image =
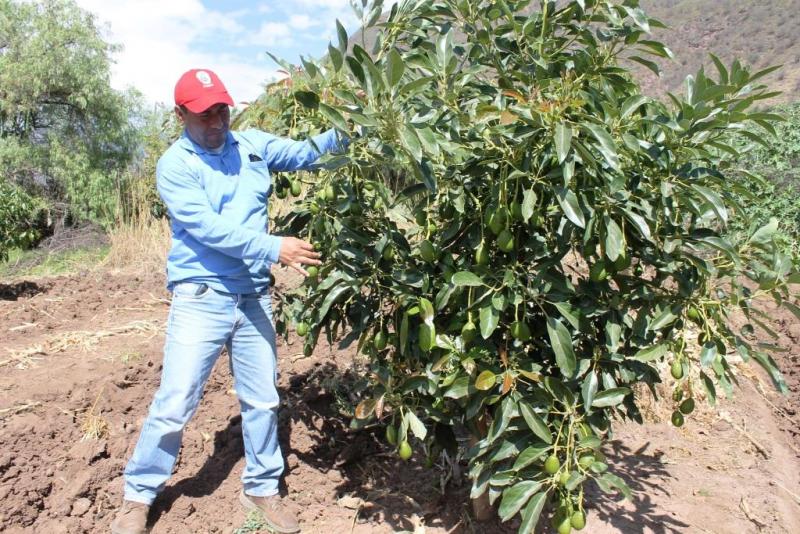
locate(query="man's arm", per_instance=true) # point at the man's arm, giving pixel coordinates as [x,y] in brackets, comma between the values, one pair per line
[283,154]
[188,205]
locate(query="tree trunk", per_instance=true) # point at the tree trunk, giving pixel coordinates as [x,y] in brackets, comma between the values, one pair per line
[481,509]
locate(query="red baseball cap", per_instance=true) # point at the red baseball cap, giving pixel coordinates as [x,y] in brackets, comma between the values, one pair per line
[199,89]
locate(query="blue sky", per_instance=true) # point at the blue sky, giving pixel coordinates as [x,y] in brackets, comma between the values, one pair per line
[161,39]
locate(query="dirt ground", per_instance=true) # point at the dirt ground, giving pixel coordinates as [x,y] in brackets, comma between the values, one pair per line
[82,354]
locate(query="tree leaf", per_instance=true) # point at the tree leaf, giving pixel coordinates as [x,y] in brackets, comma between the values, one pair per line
[631,104]
[430,144]
[415,425]
[714,200]
[606,146]
[466,278]
[570,206]
[613,334]
[365,408]
[610,397]
[708,353]
[648,354]
[532,512]
[568,313]
[336,58]
[764,235]
[609,482]
[515,497]
[589,389]
[615,240]
[342,33]
[489,320]
[640,223]
[333,295]
[534,422]
[460,388]
[710,389]
[411,141]
[395,67]
[403,333]
[308,99]
[528,204]
[485,381]
[529,455]
[639,17]
[561,341]
[652,65]
[664,318]
[334,117]
[563,140]
[426,310]
[792,308]
[769,365]
[427,336]
[444,50]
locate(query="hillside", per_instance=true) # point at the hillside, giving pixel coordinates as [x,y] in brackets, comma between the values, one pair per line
[759,34]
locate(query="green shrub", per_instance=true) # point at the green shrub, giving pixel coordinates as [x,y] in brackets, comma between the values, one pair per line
[774,194]
[20,216]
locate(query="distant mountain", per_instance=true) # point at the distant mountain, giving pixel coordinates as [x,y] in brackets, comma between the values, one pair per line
[760,33]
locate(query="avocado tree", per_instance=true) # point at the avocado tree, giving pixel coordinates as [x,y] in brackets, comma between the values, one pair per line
[516,235]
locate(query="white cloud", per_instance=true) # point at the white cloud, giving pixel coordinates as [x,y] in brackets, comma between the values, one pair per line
[329,4]
[302,22]
[162,39]
[270,34]
[159,42]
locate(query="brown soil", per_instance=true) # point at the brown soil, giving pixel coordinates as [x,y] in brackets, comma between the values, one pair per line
[82,352]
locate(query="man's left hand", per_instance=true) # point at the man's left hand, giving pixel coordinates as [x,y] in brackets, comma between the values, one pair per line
[295,253]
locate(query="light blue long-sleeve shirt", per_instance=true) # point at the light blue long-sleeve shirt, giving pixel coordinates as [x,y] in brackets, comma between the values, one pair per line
[217,205]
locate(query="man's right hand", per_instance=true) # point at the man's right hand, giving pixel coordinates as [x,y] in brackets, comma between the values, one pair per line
[295,253]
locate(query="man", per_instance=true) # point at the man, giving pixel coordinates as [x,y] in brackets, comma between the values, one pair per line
[215,184]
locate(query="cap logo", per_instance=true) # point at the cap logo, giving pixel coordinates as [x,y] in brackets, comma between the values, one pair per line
[204,78]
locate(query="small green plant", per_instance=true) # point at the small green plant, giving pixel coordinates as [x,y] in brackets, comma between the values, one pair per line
[45,263]
[253,524]
[132,356]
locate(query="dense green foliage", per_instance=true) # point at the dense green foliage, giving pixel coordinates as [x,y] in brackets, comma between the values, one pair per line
[777,163]
[517,235]
[65,135]
[19,219]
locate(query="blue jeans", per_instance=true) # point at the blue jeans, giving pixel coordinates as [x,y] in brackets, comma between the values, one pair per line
[202,321]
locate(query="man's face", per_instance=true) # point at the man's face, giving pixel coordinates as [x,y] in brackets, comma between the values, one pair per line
[209,128]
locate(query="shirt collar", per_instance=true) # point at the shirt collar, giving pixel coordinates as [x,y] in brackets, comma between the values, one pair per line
[189,144]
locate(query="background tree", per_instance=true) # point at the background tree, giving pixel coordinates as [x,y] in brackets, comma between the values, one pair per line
[65,134]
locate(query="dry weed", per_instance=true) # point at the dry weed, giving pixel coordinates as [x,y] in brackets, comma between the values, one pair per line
[6,412]
[141,244]
[82,340]
[94,426]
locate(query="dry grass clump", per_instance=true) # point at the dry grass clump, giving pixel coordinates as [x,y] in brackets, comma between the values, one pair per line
[93,425]
[141,244]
